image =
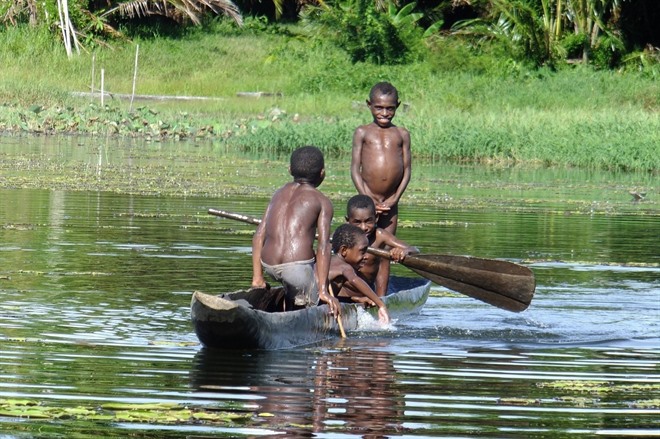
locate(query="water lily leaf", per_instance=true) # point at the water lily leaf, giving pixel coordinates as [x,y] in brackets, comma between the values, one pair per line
[23,413]
[220,417]
[127,406]
[17,402]
[78,411]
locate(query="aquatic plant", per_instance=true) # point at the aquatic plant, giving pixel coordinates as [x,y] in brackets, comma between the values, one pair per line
[156,413]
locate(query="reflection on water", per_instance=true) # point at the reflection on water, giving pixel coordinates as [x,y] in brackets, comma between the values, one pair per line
[375,393]
[330,389]
[95,289]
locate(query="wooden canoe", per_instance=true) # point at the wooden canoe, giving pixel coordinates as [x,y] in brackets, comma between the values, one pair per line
[251,320]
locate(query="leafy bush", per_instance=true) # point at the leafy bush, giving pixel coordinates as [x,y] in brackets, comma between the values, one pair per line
[457,53]
[367,34]
[646,61]
[607,53]
[574,44]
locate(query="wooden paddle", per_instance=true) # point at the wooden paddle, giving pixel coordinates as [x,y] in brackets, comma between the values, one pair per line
[339,322]
[499,283]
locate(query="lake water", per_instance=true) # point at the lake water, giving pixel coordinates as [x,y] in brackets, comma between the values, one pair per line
[103,242]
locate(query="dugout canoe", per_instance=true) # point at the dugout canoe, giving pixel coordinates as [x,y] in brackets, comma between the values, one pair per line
[249,319]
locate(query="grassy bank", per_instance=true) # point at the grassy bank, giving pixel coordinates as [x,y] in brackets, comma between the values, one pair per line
[460,104]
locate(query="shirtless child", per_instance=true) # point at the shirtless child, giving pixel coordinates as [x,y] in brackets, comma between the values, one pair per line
[284,241]
[381,163]
[349,245]
[361,212]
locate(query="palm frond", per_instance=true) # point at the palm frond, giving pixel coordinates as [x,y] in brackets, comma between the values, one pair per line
[225,7]
[178,10]
[135,8]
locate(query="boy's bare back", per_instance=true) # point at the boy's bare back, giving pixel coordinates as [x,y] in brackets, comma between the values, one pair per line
[294,216]
[283,244]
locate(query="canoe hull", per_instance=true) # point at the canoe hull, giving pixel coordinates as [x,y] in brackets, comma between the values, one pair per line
[237,321]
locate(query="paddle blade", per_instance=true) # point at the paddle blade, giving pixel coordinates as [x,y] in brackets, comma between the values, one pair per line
[503,284]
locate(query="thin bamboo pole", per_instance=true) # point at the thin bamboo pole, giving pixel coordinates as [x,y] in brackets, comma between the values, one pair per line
[68,31]
[137,51]
[64,28]
[102,88]
[91,96]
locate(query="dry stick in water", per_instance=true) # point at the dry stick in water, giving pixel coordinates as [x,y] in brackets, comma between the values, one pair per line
[91,96]
[102,87]
[137,51]
[339,322]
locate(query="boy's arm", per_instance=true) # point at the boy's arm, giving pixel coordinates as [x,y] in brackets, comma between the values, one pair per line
[356,160]
[407,168]
[358,284]
[323,253]
[398,248]
[257,245]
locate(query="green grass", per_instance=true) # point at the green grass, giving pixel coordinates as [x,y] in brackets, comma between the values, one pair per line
[460,103]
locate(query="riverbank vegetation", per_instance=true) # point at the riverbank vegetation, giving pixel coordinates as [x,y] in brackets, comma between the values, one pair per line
[467,94]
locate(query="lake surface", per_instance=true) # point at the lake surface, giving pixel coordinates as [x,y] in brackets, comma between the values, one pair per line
[103,242]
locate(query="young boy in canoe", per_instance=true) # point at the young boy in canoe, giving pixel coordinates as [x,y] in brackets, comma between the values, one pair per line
[349,245]
[381,162]
[361,212]
[283,245]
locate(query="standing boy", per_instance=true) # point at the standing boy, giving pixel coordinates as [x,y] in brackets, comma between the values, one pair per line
[349,245]
[361,212]
[284,241]
[381,163]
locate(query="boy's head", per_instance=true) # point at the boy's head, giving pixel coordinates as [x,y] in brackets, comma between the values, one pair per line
[361,212]
[383,102]
[307,164]
[384,88]
[350,243]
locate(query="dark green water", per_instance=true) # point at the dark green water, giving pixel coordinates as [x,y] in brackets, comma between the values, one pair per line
[102,244]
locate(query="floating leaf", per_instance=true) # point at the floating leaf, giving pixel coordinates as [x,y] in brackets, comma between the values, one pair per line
[152,406]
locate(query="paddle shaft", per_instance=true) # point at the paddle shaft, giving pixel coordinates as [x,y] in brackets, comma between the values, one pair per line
[339,322]
[500,283]
[256,221]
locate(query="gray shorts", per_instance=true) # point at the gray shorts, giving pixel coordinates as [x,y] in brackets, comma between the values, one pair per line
[298,280]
